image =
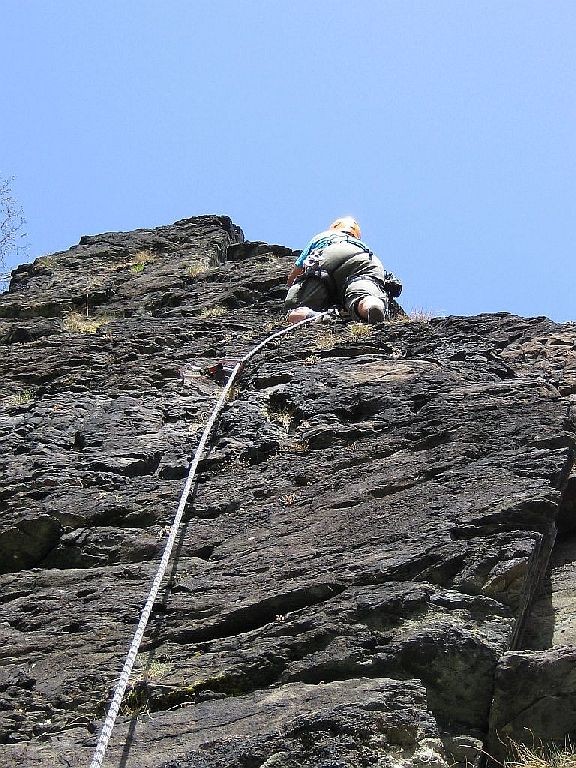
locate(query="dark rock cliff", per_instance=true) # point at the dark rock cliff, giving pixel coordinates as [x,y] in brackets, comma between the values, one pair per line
[367,573]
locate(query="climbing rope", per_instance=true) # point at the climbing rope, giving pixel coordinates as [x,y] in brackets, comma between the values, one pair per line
[122,683]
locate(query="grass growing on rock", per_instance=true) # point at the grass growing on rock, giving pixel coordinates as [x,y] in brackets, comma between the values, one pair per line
[154,670]
[417,315]
[140,260]
[325,338]
[541,756]
[136,700]
[421,315]
[75,322]
[19,398]
[359,330]
[217,311]
[198,267]
[284,418]
[328,337]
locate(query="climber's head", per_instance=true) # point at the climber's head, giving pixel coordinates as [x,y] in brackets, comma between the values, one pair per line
[347,224]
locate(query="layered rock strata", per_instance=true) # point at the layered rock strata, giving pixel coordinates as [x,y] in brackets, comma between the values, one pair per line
[363,547]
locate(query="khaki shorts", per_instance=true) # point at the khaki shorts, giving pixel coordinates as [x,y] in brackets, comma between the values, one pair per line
[310,292]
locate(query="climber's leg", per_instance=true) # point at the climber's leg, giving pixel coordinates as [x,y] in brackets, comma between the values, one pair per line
[366,300]
[306,296]
[372,310]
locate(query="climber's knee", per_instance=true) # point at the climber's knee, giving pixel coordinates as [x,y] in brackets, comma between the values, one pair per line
[372,309]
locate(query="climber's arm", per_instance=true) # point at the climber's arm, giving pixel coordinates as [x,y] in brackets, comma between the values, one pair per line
[296,272]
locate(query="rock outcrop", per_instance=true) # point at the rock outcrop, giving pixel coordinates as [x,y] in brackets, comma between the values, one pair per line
[361,578]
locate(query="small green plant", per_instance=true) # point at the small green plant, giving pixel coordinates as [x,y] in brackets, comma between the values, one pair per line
[144,257]
[78,323]
[19,398]
[136,700]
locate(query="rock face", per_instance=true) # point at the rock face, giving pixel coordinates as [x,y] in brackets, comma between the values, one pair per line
[353,582]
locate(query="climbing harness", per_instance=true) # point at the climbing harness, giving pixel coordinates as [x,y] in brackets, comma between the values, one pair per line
[122,683]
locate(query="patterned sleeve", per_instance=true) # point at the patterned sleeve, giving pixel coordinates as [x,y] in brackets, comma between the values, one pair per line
[300,260]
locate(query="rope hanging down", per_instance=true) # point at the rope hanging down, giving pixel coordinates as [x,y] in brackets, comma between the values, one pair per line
[122,683]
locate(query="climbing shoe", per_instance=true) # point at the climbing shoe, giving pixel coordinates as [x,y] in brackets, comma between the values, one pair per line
[327,316]
[376,313]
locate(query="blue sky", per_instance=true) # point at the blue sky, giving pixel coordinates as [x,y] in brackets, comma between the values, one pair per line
[447,127]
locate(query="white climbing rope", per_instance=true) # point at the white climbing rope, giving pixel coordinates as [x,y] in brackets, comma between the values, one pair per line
[122,683]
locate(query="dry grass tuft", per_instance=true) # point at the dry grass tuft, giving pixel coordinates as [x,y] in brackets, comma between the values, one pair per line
[328,336]
[360,330]
[216,311]
[297,446]
[198,267]
[140,259]
[283,418]
[144,257]
[46,261]
[420,315]
[78,323]
[417,315]
[541,756]
[325,338]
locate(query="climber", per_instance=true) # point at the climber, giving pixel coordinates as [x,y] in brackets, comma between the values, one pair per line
[337,270]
